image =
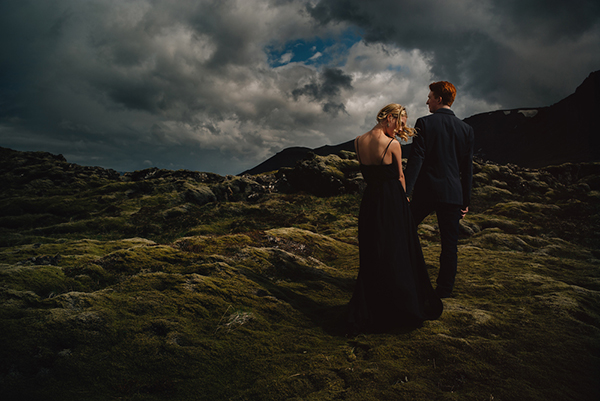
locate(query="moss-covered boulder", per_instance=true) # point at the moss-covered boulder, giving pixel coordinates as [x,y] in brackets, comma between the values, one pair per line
[325,175]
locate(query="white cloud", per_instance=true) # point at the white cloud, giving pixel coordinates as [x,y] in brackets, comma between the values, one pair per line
[286,58]
[315,56]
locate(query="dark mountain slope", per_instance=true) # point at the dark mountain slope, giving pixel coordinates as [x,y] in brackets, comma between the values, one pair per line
[561,133]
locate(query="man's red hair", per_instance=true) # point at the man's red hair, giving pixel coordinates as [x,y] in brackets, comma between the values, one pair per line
[445,90]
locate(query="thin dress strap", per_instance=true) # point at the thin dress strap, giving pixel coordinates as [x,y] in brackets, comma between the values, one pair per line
[386,149]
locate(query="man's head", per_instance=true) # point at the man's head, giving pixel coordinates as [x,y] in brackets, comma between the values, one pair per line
[441,94]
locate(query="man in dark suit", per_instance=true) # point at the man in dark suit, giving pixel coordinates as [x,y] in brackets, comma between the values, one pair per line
[439,173]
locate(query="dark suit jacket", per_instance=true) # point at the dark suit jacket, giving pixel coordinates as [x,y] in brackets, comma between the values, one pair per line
[440,165]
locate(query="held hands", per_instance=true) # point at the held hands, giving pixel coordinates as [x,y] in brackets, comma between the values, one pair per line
[463,212]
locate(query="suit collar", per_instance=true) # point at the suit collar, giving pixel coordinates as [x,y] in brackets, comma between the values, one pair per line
[444,111]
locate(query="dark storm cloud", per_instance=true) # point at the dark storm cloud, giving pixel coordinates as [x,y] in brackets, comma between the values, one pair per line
[513,52]
[124,55]
[122,68]
[326,90]
[548,20]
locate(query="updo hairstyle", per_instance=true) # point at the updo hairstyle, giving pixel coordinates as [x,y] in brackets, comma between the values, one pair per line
[396,110]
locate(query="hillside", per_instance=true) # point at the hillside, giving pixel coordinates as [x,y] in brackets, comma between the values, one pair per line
[184,285]
[289,156]
[538,137]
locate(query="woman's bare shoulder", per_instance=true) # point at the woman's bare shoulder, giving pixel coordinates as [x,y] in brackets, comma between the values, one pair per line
[395,146]
[365,135]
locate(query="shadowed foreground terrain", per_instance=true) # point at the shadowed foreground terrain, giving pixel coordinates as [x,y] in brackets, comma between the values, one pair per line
[192,286]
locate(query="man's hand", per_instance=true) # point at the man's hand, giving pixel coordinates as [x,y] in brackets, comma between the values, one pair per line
[464,212]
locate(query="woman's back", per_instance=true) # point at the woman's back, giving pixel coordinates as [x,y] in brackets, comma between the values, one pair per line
[371,148]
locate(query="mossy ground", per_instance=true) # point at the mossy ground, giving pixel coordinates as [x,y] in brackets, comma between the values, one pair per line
[148,296]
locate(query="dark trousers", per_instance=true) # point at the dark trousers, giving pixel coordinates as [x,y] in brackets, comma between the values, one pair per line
[448,216]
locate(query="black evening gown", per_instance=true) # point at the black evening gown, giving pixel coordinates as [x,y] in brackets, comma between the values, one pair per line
[392,288]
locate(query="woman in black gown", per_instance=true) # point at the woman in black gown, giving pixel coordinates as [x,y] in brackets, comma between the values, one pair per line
[392,287]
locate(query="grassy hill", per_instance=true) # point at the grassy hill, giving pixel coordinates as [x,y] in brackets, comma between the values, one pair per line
[192,286]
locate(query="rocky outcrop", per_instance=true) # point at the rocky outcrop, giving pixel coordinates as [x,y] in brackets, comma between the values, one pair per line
[45,193]
[325,175]
[43,173]
[290,156]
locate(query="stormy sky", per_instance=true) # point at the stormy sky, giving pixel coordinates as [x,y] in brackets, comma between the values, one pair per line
[222,85]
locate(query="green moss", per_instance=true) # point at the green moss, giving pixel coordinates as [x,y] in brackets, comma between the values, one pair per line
[213,245]
[156,296]
[254,325]
[493,193]
[334,253]
[45,281]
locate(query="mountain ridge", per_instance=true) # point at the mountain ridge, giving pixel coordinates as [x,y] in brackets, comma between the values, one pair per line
[551,135]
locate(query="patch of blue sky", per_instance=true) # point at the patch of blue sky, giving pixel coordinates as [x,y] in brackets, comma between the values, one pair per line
[396,68]
[314,51]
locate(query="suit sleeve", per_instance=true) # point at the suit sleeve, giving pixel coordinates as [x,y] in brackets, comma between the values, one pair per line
[415,160]
[466,168]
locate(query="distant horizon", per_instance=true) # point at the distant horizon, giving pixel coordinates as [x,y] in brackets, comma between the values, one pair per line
[123,172]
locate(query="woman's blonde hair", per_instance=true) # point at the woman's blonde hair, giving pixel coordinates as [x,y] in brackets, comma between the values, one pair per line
[396,110]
